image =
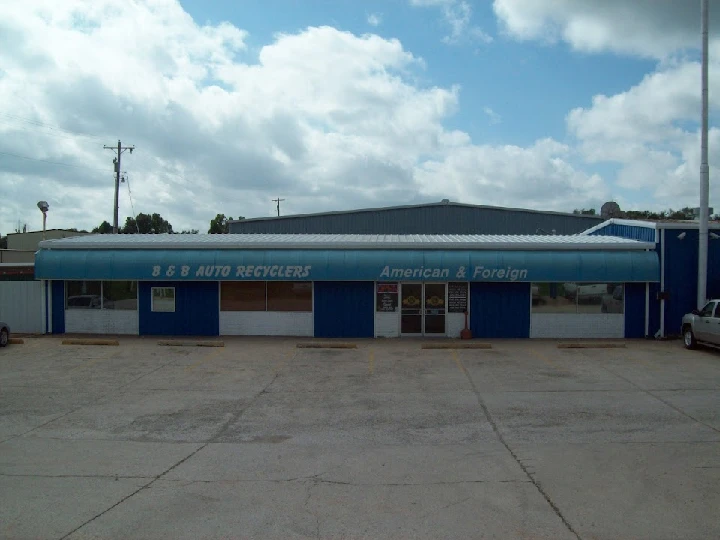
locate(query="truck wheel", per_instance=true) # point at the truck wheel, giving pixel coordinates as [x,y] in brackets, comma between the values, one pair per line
[689,338]
[4,338]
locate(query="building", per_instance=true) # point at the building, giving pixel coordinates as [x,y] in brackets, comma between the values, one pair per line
[676,243]
[435,218]
[350,286]
[28,241]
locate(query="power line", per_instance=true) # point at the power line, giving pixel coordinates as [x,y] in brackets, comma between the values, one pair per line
[132,206]
[38,123]
[52,162]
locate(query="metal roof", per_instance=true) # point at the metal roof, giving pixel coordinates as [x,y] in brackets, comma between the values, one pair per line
[651,224]
[344,241]
[424,205]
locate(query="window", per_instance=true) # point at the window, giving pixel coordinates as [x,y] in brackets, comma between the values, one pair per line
[386,297]
[242,296]
[163,299]
[266,296]
[578,298]
[708,310]
[289,296]
[83,294]
[101,295]
[119,295]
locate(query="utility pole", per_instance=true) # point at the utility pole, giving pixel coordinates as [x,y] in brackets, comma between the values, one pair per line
[116,161]
[704,166]
[278,200]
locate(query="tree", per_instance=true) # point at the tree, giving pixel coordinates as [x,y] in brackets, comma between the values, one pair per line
[104,228]
[189,231]
[221,224]
[585,211]
[685,213]
[147,224]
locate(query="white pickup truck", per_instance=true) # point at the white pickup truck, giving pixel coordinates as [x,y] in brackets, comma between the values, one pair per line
[702,326]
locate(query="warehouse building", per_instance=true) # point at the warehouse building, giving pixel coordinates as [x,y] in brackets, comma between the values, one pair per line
[444,217]
[351,286]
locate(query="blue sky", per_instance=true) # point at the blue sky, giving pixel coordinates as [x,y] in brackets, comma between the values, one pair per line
[561,105]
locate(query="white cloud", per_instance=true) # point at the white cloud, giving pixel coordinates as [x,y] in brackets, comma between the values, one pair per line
[493,117]
[652,28]
[325,119]
[651,131]
[458,15]
[374,19]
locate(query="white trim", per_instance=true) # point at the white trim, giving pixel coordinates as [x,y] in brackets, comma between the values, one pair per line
[647,309]
[47,306]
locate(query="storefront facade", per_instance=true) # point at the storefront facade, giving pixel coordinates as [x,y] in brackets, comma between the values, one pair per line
[348,286]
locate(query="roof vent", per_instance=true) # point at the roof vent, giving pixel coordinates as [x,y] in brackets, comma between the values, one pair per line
[445,201]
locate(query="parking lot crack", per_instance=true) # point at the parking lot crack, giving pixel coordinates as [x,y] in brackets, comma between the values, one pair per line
[237,415]
[501,438]
[105,476]
[141,488]
[661,400]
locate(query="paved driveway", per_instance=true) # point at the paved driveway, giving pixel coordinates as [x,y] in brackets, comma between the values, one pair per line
[260,439]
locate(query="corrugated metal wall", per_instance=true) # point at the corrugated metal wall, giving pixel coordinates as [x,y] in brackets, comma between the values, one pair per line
[642,234]
[21,306]
[344,309]
[681,263]
[500,310]
[430,219]
[635,310]
[197,310]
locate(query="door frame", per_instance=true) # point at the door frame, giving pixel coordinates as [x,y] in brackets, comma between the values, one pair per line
[423,309]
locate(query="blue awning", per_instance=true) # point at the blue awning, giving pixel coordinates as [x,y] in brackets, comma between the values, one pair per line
[347,265]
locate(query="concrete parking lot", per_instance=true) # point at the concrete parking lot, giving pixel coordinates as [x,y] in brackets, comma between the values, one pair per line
[260,439]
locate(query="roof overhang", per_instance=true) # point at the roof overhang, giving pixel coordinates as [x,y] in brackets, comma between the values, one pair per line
[348,265]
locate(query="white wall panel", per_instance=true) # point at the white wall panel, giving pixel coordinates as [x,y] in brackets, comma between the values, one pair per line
[22,306]
[577,325]
[101,321]
[265,323]
[387,324]
[455,323]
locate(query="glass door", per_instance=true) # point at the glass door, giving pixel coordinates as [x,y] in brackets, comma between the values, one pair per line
[422,308]
[435,308]
[411,312]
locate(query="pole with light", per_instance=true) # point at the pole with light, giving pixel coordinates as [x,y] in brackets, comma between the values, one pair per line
[44,207]
[704,167]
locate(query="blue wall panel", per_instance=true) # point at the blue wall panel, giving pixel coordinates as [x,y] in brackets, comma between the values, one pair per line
[643,234]
[635,310]
[654,318]
[197,310]
[58,307]
[500,310]
[344,309]
[681,264]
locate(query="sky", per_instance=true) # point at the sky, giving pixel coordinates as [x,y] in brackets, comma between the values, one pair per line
[339,104]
